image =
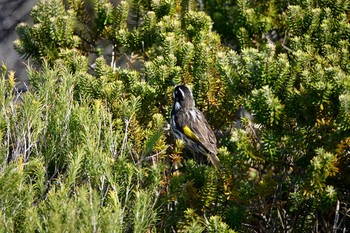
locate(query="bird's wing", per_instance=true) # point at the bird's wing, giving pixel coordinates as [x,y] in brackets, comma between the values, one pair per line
[195,126]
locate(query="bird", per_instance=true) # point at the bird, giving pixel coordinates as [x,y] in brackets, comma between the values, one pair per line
[190,125]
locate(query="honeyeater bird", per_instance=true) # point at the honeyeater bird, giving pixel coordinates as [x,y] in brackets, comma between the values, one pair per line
[189,124]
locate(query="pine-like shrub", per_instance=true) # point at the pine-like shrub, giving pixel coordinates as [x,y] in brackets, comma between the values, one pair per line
[87,147]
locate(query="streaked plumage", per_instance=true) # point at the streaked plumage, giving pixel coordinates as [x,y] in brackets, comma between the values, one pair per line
[189,124]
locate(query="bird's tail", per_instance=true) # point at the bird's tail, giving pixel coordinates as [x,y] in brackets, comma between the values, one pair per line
[214,160]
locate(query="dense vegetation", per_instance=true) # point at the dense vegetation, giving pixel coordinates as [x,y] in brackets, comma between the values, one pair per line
[88,149]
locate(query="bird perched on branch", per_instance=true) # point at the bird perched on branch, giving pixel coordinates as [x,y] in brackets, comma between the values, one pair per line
[189,124]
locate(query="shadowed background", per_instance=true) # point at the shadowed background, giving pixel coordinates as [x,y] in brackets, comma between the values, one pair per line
[13,12]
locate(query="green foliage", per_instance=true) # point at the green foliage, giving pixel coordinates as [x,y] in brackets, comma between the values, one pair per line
[195,223]
[72,162]
[244,23]
[53,28]
[87,147]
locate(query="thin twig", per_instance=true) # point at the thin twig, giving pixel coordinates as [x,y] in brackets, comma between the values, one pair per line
[125,139]
[284,41]
[336,217]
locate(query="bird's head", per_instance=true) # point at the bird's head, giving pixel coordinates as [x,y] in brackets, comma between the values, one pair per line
[183,97]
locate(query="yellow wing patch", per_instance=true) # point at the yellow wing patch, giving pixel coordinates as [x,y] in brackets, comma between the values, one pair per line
[189,133]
